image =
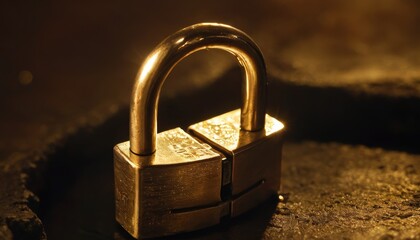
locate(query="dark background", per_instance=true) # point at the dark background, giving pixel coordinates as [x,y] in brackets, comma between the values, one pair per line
[339,71]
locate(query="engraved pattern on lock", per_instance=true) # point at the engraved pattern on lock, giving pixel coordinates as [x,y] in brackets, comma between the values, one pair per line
[253,157]
[171,182]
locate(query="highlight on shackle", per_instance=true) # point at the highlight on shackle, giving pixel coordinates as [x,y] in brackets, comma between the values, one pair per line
[160,62]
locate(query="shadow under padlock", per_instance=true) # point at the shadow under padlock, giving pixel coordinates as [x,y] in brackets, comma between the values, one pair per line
[250,225]
[171,182]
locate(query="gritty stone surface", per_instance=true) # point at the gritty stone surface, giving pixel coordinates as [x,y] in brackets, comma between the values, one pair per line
[347,192]
[330,190]
[335,191]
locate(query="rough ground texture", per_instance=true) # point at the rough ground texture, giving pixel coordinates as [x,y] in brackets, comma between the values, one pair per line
[342,71]
[336,191]
[340,191]
[331,190]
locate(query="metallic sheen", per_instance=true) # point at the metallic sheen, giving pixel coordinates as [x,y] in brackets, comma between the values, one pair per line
[224,131]
[254,157]
[177,189]
[160,62]
[175,182]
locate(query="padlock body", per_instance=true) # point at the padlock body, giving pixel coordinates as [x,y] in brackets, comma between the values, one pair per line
[255,157]
[174,190]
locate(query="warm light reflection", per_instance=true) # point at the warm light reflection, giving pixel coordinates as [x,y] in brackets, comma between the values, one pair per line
[179,40]
[165,56]
[225,130]
[148,65]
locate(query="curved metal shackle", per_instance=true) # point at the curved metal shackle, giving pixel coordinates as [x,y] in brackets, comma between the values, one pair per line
[160,62]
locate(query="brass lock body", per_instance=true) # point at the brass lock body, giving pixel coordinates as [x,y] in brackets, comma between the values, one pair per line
[175,181]
[155,193]
[254,157]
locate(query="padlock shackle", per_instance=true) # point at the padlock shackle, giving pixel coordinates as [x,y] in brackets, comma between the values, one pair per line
[160,62]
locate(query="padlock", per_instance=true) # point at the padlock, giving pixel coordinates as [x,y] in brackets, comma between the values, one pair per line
[173,182]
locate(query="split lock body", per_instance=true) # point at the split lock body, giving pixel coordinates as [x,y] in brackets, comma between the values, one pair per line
[175,181]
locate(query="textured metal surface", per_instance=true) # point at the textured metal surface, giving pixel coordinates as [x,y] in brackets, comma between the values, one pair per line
[225,131]
[255,156]
[160,62]
[175,190]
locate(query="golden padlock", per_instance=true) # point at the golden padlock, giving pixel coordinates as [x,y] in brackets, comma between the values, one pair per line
[171,182]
